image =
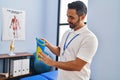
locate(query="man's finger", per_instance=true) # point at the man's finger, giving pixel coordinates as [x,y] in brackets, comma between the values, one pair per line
[39,56]
[42,54]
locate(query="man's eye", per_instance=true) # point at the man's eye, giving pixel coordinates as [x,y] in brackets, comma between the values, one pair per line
[71,17]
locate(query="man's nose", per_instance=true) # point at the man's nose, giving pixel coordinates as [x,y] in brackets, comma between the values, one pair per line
[68,20]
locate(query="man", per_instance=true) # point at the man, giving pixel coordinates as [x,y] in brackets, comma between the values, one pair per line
[77,48]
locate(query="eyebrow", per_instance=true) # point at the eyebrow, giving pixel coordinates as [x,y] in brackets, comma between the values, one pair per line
[70,16]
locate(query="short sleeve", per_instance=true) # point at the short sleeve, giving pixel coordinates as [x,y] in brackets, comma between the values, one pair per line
[88,49]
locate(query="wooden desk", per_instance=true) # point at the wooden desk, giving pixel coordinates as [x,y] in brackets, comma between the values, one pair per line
[7,56]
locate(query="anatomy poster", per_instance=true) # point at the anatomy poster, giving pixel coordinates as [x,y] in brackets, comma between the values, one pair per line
[13,24]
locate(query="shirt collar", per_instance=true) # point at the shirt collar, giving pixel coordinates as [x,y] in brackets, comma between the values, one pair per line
[81,30]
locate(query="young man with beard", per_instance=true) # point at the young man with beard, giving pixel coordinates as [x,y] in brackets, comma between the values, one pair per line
[77,48]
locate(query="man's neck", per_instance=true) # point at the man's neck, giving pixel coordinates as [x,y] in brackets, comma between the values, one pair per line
[79,26]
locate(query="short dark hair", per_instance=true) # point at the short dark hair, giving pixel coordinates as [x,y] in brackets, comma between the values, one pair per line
[79,6]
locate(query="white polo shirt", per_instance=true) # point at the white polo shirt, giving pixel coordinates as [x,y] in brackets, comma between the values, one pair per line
[83,46]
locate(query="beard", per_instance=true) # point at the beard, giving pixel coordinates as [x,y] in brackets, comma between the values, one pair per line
[73,25]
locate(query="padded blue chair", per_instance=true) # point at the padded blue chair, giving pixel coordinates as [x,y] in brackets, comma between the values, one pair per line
[36,77]
[52,75]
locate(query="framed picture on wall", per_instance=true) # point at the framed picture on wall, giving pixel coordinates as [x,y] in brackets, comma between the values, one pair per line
[13,24]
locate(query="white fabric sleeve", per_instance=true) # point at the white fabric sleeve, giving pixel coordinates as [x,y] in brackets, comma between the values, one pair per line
[88,49]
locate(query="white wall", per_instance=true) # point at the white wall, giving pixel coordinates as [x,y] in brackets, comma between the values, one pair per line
[104,20]
[41,16]
[41,21]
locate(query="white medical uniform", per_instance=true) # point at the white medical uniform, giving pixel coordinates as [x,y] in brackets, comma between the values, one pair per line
[83,46]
